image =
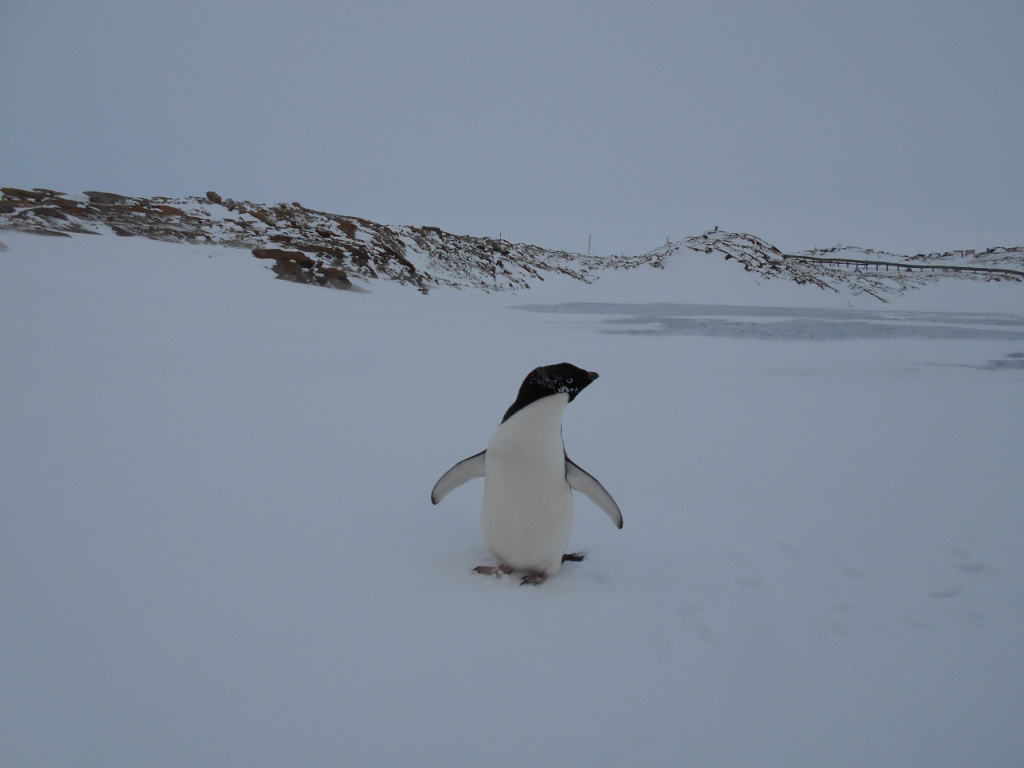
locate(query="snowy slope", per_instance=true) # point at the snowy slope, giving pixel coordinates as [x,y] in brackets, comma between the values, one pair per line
[217,546]
[318,248]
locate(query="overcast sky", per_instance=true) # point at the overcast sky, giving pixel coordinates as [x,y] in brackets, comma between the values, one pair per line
[896,125]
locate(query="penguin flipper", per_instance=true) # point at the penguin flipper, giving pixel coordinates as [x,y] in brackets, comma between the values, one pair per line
[463,472]
[581,480]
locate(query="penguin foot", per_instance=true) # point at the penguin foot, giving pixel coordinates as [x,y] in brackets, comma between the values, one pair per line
[493,570]
[573,557]
[536,579]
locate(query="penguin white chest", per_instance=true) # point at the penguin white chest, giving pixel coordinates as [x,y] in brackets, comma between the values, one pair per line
[527,511]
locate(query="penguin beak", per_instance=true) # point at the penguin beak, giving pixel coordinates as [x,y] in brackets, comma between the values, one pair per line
[592,375]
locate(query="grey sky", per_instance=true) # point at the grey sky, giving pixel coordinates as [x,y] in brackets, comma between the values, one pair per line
[889,125]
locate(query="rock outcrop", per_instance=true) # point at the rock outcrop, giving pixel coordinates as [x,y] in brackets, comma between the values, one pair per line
[336,251]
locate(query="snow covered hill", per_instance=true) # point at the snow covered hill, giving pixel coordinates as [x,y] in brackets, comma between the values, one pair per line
[314,247]
[303,245]
[217,546]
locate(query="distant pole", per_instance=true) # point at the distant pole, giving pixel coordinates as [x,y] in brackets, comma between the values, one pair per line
[589,235]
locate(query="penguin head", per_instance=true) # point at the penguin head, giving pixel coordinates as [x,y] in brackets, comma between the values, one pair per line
[551,380]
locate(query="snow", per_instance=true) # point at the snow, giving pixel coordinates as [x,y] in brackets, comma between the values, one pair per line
[692,277]
[217,545]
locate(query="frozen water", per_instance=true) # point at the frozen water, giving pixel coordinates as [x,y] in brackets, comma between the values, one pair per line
[782,323]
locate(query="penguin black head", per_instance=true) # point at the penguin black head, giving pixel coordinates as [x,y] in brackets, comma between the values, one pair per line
[550,380]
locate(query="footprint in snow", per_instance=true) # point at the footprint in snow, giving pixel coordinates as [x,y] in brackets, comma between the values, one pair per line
[971,567]
[854,573]
[789,551]
[831,627]
[752,583]
[969,617]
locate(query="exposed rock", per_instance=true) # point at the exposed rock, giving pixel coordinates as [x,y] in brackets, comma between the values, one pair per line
[335,278]
[169,210]
[24,194]
[338,251]
[53,213]
[298,257]
[107,198]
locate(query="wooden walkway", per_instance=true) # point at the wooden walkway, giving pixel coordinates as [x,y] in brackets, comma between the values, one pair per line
[842,261]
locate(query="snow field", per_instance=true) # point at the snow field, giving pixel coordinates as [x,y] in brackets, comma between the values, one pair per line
[217,545]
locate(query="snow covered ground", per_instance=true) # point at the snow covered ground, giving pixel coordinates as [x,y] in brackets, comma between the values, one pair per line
[217,546]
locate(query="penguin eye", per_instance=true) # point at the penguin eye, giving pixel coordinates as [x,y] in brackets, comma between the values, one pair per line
[568,381]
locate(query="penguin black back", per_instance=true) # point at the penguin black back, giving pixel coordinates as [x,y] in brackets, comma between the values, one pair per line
[550,380]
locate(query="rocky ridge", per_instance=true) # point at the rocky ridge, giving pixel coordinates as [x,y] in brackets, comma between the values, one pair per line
[318,248]
[853,269]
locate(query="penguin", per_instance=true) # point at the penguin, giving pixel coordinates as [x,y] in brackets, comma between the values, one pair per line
[527,510]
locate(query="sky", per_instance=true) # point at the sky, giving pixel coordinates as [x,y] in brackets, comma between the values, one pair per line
[894,126]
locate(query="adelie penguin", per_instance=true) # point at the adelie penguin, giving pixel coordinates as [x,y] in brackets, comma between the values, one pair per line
[527,511]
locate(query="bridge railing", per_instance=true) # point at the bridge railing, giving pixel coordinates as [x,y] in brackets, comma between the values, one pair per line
[840,261]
